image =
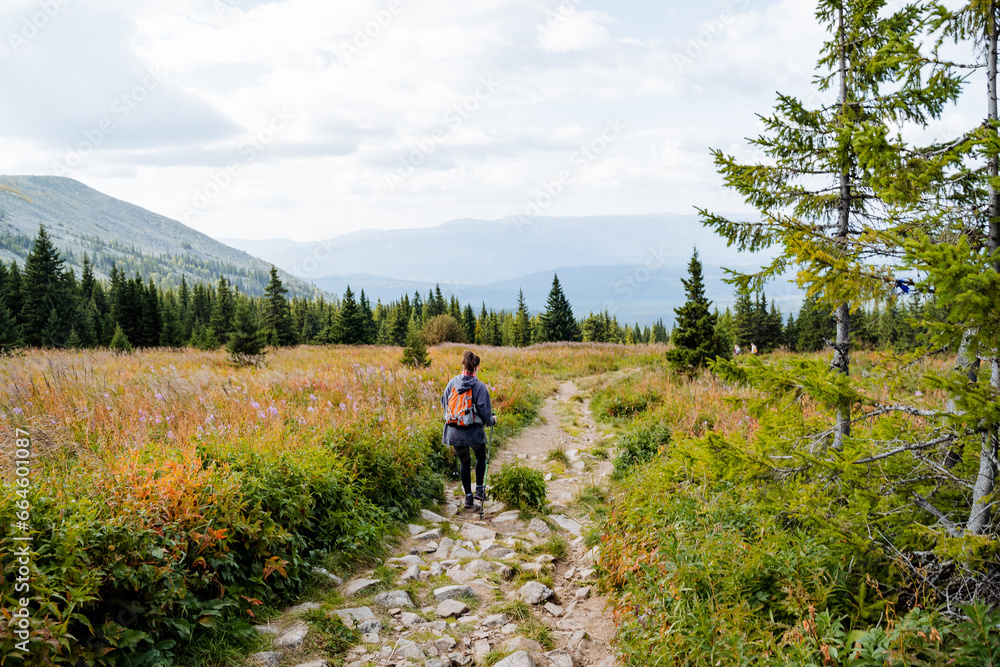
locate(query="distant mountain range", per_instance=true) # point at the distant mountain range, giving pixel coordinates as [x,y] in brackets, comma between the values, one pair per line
[629,265]
[110,231]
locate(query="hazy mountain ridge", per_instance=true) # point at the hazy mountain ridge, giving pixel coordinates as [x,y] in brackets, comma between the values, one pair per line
[110,231]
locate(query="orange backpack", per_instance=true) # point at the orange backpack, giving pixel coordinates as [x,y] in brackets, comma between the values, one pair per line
[460,410]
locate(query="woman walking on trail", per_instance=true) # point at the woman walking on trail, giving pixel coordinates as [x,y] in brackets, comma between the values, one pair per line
[466,403]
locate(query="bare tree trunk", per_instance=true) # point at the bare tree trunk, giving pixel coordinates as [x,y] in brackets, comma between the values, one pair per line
[979,517]
[842,348]
[969,364]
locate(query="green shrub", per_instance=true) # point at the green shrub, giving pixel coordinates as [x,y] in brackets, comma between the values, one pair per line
[622,400]
[520,487]
[639,446]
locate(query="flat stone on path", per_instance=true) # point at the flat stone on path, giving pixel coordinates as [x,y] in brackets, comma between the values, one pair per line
[451,608]
[412,559]
[431,517]
[460,552]
[554,609]
[534,592]
[471,531]
[568,524]
[539,527]
[519,659]
[292,637]
[414,529]
[452,592]
[312,663]
[323,572]
[513,515]
[267,658]
[412,573]
[355,615]
[409,619]
[495,620]
[305,606]
[479,651]
[428,536]
[373,626]
[461,576]
[411,651]
[559,658]
[358,585]
[394,599]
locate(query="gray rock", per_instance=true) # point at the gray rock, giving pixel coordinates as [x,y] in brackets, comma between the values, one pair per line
[554,609]
[582,593]
[539,527]
[461,576]
[519,659]
[452,592]
[512,515]
[576,641]
[496,551]
[355,615]
[409,619]
[444,549]
[476,533]
[479,651]
[436,569]
[545,558]
[588,575]
[407,560]
[607,662]
[371,626]
[434,662]
[451,608]
[568,524]
[412,573]
[559,658]
[292,637]
[305,606]
[480,566]
[445,644]
[430,535]
[431,517]
[394,599]
[322,572]
[411,651]
[312,663]
[522,643]
[266,630]
[459,659]
[437,626]
[357,586]
[495,620]
[460,552]
[414,529]
[267,658]
[534,592]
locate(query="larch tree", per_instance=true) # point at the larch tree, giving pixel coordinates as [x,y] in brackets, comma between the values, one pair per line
[814,191]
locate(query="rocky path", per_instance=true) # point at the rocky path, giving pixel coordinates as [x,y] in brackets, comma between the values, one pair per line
[465,591]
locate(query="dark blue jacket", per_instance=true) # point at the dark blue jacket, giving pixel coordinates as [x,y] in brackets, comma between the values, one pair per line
[469,436]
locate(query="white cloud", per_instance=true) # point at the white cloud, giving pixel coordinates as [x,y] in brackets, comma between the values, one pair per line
[575,31]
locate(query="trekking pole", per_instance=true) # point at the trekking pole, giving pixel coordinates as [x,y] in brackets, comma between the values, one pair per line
[482,503]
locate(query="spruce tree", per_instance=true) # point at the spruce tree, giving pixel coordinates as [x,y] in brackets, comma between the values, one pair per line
[415,352]
[119,342]
[223,311]
[558,323]
[43,292]
[522,323]
[277,314]
[695,339]
[350,325]
[10,333]
[246,339]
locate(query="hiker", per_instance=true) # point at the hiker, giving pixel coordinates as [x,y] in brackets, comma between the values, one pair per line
[736,350]
[753,348]
[466,403]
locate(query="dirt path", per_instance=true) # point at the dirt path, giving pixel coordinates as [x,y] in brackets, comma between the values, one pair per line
[465,591]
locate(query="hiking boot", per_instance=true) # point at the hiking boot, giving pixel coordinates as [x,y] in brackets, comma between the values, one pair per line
[480,493]
[469,502]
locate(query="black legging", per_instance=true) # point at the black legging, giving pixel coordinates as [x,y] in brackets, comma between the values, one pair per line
[466,460]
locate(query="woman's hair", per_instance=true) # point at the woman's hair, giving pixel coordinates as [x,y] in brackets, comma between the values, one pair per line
[470,361]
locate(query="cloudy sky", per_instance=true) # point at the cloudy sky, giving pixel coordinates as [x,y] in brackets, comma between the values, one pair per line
[306,119]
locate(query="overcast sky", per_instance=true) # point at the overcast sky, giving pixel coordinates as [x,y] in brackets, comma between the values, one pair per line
[306,119]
